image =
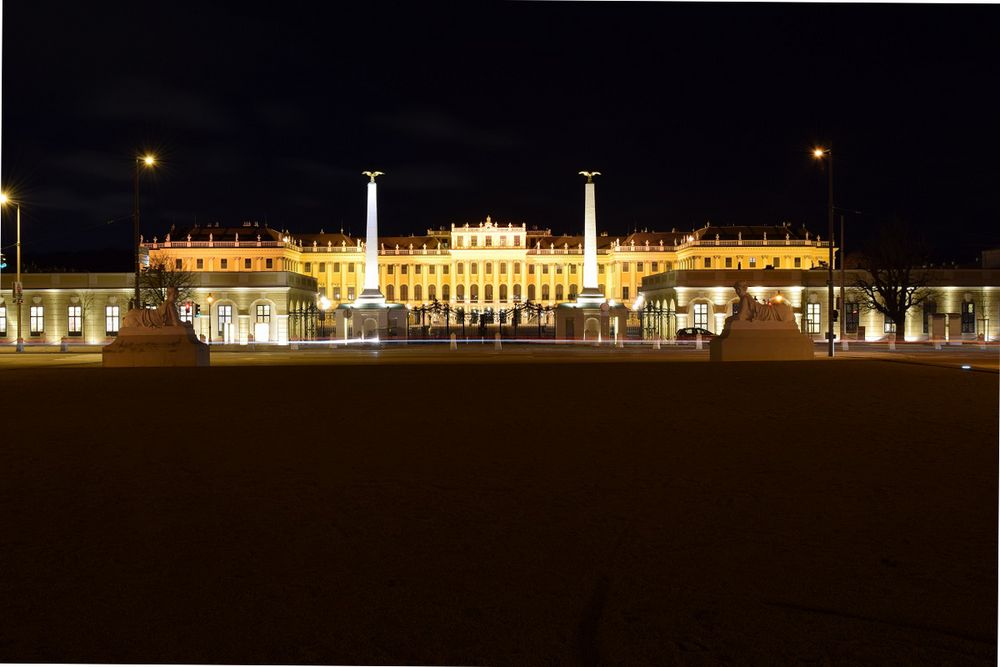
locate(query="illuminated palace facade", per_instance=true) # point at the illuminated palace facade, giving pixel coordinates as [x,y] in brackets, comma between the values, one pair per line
[257,276]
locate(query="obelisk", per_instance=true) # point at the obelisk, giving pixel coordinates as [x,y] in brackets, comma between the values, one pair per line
[591,292]
[371,294]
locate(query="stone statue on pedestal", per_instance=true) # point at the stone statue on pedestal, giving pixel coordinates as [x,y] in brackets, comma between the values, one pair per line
[164,315]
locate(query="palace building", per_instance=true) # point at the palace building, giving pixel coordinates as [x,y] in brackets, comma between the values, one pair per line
[252,282]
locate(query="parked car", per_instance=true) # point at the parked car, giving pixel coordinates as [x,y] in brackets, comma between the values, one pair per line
[691,333]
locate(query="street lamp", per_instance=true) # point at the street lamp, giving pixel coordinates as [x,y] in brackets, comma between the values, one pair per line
[210,300]
[17,291]
[827,154]
[148,161]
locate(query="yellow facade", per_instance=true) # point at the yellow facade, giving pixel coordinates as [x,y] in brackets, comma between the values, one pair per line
[489,265]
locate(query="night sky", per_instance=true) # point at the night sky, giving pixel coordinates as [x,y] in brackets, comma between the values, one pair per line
[693,112]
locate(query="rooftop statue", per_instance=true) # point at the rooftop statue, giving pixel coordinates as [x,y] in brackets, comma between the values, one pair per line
[164,315]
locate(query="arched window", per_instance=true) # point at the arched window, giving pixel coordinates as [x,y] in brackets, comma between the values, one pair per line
[531,292]
[431,292]
[460,291]
[545,292]
[446,292]
[489,291]
[390,292]
[559,292]
[474,292]
[503,292]
[517,292]
[572,291]
[402,293]
[417,293]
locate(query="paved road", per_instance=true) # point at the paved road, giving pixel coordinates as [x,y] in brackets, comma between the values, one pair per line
[438,353]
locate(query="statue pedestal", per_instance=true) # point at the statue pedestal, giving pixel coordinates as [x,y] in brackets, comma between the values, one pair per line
[761,341]
[594,321]
[371,322]
[156,346]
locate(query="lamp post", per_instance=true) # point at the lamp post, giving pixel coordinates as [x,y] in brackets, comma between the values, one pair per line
[17,290]
[147,161]
[819,154]
[210,300]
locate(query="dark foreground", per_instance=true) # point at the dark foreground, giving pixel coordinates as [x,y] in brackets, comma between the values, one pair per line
[521,514]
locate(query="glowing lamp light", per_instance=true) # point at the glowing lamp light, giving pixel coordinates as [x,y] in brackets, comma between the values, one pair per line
[818,152]
[966,367]
[149,160]
[4,198]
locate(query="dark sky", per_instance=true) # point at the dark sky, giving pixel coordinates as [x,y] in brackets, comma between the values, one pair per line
[693,112]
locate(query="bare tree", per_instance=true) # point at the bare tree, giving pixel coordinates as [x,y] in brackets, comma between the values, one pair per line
[161,274]
[894,274]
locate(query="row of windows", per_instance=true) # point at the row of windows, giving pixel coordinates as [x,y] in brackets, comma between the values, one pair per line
[487,240]
[503,292]
[199,264]
[74,320]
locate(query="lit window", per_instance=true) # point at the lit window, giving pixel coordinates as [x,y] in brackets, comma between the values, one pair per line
[111,320]
[336,294]
[461,242]
[263,313]
[888,326]
[503,240]
[753,262]
[517,292]
[185,313]
[200,264]
[350,294]
[474,292]
[559,269]
[474,241]
[309,267]
[853,317]
[813,318]
[225,316]
[74,321]
[701,315]
[968,317]
[36,321]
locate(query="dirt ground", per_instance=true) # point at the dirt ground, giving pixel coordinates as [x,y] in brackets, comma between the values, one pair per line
[567,513]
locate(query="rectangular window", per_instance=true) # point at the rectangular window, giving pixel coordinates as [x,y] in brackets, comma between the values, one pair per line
[531,269]
[707,263]
[701,315]
[813,318]
[753,262]
[336,267]
[3,321]
[111,320]
[729,262]
[625,293]
[74,321]
[322,267]
[503,240]
[473,268]
[853,315]
[638,267]
[473,241]
[177,265]
[461,242]
[431,269]
[184,312]
[968,317]
[572,268]
[224,314]
[350,294]
[405,269]
[798,262]
[336,294]
[461,269]
[656,267]
[263,313]
[624,267]
[247,263]
[503,267]
[776,262]
[888,326]
[350,267]
[200,263]
[517,268]
[224,264]
[309,267]
[36,320]
[545,268]
[489,241]
[390,269]
[269,263]
[559,269]
[417,268]
[517,240]
[444,269]
[600,269]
